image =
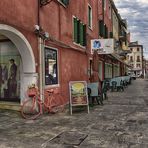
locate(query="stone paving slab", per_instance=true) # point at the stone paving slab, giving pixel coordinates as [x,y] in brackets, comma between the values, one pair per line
[121,123]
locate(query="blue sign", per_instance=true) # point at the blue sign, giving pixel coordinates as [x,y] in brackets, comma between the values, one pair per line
[96,44]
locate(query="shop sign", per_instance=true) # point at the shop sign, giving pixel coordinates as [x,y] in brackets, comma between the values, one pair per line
[103,46]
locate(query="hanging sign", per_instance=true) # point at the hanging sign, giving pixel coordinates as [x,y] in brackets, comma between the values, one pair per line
[103,46]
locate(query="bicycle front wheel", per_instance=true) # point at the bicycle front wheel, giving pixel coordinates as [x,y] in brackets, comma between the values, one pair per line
[31,108]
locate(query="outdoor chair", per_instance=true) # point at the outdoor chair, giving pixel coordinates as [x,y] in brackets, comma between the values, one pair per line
[105,88]
[121,87]
[113,86]
[94,94]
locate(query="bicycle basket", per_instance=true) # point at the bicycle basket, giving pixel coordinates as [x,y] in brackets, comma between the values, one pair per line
[31,92]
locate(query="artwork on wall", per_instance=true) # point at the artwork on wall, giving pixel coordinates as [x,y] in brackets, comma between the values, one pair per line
[9,72]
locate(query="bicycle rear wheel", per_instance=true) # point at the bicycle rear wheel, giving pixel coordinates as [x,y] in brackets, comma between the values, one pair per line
[55,104]
[31,108]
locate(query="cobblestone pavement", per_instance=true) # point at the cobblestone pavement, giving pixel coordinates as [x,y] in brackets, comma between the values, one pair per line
[121,123]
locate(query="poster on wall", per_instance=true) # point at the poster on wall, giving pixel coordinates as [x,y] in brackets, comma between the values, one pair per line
[9,72]
[78,94]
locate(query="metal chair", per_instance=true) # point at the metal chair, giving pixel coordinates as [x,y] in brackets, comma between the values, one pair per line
[114,86]
[94,94]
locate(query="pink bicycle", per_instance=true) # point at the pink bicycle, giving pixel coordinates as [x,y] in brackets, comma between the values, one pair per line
[33,107]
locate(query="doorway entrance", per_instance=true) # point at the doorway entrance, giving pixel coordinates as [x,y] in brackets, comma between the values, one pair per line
[17,64]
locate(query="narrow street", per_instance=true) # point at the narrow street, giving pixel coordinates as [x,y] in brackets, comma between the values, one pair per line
[121,123]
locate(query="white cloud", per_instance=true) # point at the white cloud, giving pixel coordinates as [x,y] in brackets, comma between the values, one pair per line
[143,1]
[136,13]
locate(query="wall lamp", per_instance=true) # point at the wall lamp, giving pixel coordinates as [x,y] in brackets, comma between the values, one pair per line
[40,32]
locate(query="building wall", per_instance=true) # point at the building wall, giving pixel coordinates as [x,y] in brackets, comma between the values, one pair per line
[115,25]
[108,16]
[22,15]
[104,12]
[57,20]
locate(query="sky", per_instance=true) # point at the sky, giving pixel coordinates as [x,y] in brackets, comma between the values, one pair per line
[136,14]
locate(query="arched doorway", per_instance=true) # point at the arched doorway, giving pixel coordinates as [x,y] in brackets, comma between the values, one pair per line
[23,56]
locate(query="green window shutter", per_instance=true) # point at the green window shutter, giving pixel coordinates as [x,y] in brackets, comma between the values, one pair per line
[111,34]
[84,35]
[81,34]
[78,30]
[65,2]
[101,28]
[75,31]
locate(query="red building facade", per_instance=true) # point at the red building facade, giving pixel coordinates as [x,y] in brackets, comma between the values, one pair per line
[50,44]
[53,54]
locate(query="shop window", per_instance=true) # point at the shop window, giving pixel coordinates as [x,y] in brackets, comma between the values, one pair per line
[108,70]
[79,32]
[51,66]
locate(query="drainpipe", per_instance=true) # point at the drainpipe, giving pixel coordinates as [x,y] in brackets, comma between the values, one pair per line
[40,49]
[103,37]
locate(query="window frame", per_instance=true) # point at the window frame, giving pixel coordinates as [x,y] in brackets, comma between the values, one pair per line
[110,11]
[105,4]
[62,3]
[57,61]
[90,17]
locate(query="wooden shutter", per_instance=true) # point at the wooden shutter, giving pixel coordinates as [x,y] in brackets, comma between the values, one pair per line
[106,31]
[101,28]
[75,31]
[84,35]
[65,2]
[78,31]
[81,34]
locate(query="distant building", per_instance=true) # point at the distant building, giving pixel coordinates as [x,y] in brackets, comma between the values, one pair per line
[135,58]
[145,65]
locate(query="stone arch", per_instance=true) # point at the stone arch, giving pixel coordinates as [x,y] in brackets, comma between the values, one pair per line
[28,74]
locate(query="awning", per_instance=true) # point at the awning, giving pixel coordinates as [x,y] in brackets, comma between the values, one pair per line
[118,58]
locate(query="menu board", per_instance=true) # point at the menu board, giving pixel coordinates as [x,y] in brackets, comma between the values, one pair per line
[78,94]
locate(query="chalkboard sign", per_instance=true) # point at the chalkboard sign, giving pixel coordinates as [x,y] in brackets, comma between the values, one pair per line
[78,94]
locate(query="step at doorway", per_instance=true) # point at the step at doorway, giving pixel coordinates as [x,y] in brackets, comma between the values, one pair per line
[10,105]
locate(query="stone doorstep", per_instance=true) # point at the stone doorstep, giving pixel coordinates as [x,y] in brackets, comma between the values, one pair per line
[10,105]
